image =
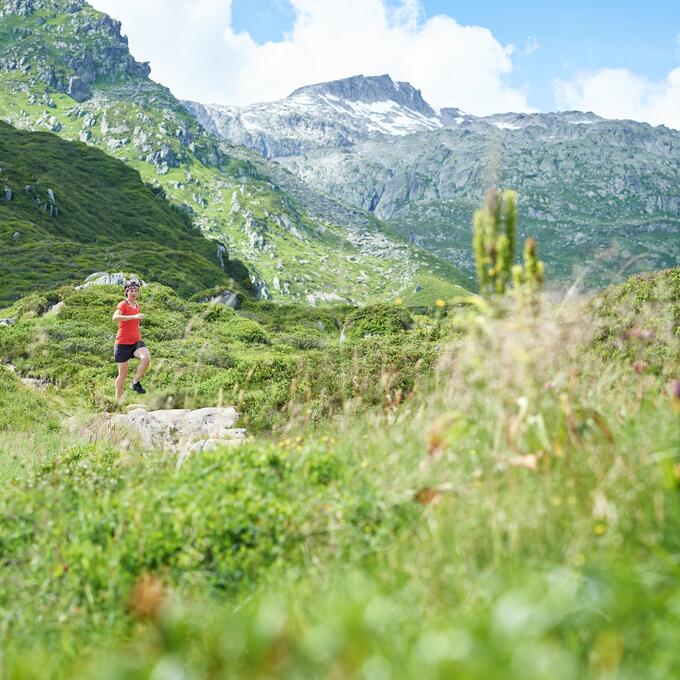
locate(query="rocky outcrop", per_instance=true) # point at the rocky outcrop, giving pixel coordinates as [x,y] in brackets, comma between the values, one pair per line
[79,88]
[106,279]
[180,431]
[369,90]
[101,52]
[163,159]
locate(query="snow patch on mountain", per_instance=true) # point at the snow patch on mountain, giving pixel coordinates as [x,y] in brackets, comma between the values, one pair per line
[338,114]
[506,126]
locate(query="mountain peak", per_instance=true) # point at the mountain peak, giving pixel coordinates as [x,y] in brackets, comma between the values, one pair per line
[370,89]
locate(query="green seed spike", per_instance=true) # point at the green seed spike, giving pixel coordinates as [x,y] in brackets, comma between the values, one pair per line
[533,267]
[493,245]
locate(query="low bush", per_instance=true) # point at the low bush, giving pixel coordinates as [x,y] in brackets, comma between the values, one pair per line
[376,320]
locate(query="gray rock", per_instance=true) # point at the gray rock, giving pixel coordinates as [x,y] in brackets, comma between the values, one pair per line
[107,279]
[177,429]
[50,122]
[79,89]
[262,291]
[8,193]
[55,310]
[7,322]
[239,436]
[227,298]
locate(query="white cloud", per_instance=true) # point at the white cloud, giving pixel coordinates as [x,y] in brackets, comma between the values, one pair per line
[194,50]
[531,44]
[620,93]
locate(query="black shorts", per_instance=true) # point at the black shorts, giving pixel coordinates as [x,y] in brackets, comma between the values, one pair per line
[123,353]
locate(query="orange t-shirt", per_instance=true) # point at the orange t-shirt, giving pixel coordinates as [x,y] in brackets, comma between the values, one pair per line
[128,331]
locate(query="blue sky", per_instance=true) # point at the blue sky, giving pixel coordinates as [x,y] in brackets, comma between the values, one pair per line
[572,36]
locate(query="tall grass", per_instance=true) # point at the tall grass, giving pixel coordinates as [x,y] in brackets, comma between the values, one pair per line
[515,516]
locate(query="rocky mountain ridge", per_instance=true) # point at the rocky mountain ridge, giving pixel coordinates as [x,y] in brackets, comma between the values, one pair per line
[602,196]
[338,114]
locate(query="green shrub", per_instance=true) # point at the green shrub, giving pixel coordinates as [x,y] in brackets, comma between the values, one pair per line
[304,340]
[639,323]
[377,320]
[245,330]
[101,519]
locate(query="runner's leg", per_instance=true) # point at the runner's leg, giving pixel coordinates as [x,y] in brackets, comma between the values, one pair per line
[120,380]
[144,360]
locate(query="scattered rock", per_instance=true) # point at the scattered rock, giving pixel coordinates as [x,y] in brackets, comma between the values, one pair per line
[114,144]
[8,193]
[8,321]
[50,122]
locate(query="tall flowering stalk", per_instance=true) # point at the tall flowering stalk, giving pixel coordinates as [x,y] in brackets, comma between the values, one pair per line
[493,244]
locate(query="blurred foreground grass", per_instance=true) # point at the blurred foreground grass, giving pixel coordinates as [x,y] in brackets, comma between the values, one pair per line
[511,512]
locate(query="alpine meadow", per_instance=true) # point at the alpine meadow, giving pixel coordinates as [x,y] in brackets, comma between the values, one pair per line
[413,401]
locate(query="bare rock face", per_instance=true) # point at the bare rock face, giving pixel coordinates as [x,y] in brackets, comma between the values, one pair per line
[79,89]
[179,430]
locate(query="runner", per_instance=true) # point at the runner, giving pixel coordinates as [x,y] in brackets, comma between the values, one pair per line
[128,340]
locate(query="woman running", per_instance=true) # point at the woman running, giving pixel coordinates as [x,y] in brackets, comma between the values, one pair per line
[128,340]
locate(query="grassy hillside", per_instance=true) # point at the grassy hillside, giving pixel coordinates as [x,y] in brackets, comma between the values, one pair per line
[67,210]
[447,495]
[66,68]
[259,359]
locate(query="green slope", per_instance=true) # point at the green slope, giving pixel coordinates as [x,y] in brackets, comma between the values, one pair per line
[67,210]
[297,245]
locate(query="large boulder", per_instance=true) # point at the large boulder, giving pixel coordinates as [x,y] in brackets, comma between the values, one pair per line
[177,430]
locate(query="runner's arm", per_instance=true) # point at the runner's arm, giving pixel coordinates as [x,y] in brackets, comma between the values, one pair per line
[117,316]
